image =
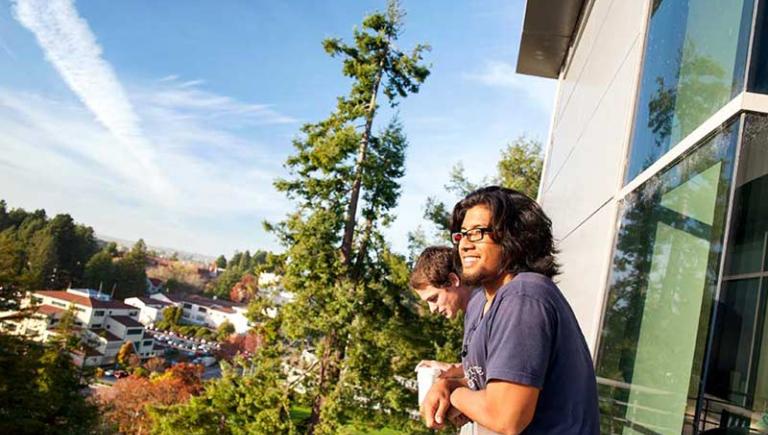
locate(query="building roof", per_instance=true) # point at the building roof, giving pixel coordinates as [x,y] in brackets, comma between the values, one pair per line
[548,31]
[154,302]
[88,351]
[127,321]
[81,300]
[213,304]
[49,310]
[108,335]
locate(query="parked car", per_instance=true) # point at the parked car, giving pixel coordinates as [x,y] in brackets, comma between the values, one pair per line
[121,374]
[109,373]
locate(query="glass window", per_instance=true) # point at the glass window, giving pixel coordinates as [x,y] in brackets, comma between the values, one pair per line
[135,331]
[736,388]
[694,63]
[98,313]
[662,284]
[758,80]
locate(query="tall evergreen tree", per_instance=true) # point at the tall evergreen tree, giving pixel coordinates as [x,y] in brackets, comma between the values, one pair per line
[339,266]
[221,262]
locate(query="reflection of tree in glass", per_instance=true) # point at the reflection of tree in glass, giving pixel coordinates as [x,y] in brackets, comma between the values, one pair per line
[678,108]
[632,264]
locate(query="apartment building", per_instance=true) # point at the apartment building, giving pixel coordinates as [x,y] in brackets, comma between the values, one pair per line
[150,309]
[200,310]
[655,180]
[104,324]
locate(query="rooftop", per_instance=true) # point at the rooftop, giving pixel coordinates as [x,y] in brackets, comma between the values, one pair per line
[154,302]
[214,304]
[127,321]
[108,335]
[548,31]
[49,310]
[82,300]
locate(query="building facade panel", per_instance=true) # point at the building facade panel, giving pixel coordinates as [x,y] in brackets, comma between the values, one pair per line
[605,58]
[589,35]
[600,148]
[584,270]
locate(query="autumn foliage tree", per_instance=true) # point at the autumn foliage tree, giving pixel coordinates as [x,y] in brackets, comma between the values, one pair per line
[126,408]
[245,289]
[125,353]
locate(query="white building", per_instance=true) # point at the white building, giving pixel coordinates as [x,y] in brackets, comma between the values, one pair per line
[150,309]
[200,310]
[104,324]
[656,181]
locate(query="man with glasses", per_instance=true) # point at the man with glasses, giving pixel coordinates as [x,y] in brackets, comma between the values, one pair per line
[526,362]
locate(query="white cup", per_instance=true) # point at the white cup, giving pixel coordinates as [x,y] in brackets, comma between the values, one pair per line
[425,377]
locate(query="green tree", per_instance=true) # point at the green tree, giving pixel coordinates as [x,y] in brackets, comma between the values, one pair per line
[245,261]
[11,267]
[225,330]
[221,262]
[171,317]
[235,260]
[75,244]
[41,261]
[40,388]
[67,338]
[338,266]
[130,272]
[255,401]
[139,251]
[100,271]
[520,166]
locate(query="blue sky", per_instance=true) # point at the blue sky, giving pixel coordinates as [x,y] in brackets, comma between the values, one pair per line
[170,120]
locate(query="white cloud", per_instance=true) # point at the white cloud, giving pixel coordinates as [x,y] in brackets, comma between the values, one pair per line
[503,75]
[189,99]
[70,46]
[75,170]
[182,174]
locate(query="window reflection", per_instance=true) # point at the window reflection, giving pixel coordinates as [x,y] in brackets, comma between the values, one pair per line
[694,64]
[662,283]
[736,389]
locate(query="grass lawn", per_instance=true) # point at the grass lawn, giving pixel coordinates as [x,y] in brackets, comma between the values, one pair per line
[299,413]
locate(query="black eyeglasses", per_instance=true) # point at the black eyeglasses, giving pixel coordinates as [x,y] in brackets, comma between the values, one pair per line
[473,235]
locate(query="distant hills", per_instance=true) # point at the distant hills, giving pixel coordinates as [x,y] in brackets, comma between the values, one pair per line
[161,250]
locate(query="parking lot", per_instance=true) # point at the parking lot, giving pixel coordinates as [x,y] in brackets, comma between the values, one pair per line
[191,346]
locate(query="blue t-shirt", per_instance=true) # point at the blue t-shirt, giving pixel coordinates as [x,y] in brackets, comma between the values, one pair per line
[530,336]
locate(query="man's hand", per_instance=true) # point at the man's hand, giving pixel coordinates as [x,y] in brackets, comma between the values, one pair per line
[436,404]
[447,370]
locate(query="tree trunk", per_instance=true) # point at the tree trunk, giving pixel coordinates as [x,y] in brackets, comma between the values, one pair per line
[363,250]
[327,379]
[349,225]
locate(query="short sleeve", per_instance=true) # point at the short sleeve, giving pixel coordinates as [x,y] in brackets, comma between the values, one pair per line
[520,341]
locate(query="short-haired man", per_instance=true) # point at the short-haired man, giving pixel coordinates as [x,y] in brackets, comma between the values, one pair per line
[435,279]
[526,362]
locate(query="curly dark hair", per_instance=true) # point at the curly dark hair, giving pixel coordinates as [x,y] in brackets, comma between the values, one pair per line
[518,224]
[432,268]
